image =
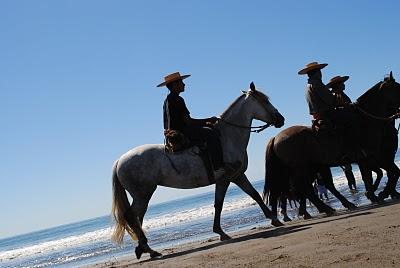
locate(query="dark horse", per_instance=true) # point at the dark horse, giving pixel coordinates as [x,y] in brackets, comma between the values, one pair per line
[295,154]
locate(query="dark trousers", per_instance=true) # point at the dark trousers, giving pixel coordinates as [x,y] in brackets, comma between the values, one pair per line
[200,135]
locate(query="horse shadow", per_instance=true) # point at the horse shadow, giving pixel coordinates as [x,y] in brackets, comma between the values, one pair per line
[263,234]
[289,228]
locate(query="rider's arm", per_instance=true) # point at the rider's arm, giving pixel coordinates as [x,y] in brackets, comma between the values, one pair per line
[325,95]
[199,122]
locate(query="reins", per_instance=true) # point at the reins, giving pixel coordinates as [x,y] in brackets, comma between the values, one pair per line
[256,129]
[387,119]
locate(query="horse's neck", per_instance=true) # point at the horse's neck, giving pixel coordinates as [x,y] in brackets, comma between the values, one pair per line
[373,102]
[234,139]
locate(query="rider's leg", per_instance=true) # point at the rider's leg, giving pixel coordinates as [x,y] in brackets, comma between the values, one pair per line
[199,135]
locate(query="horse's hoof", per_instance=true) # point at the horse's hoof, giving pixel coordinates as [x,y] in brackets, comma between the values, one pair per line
[276,223]
[351,206]
[395,195]
[382,195]
[155,254]
[373,198]
[138,252]
[286,219]
[307,216]
[224,237]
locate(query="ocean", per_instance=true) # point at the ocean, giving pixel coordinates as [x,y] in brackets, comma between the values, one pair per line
[167,224]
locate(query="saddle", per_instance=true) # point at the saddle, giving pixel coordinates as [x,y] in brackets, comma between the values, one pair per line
[322,125]
[176,142]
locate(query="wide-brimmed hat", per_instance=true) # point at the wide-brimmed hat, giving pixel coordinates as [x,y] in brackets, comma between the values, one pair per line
[337,79]
[173,77]
[312,66]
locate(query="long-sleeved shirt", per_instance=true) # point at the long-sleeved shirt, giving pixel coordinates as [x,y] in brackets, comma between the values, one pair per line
[342,96]
[318,97]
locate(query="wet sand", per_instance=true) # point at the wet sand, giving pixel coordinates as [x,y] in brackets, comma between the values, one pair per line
[366,237]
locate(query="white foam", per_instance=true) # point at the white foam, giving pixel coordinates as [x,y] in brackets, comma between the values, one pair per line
[105,234]
[195,214]
[45,247]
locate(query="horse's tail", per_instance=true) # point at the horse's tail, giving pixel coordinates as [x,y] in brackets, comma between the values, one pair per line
[273,167]
[120,205]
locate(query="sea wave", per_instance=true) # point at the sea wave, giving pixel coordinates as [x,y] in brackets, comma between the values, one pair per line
[105,234]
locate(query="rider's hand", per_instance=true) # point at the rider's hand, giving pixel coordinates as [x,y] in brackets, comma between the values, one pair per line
[212,120]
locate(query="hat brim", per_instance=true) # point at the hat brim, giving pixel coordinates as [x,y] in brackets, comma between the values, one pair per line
[172,80]
[339,80]
[314,67]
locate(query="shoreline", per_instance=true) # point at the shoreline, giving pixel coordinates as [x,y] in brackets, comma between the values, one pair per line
[368,236]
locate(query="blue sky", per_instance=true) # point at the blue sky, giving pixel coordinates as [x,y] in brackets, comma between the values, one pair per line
[77,84]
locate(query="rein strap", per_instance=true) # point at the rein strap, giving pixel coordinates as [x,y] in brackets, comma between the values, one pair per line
[256,129]
[388,119]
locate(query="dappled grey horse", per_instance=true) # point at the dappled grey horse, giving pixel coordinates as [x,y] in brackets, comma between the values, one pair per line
[141,169]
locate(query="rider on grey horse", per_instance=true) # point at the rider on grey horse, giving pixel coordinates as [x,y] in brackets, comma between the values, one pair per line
[198,131]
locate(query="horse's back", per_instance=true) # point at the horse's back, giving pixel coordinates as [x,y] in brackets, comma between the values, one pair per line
[297,145]
[151,164]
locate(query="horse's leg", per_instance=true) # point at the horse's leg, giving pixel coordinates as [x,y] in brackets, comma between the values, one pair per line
[367,178]
[132,218]
[326,175]
[379,175]
[273,201]
[393,173]
[220,191]
[283,201]
[321,206]
[303,209]
[135,217]
[246,186]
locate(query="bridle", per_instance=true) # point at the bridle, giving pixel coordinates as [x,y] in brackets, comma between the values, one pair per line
[256,129]
[391,118]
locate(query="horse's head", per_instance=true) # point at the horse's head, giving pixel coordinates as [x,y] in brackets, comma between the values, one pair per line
[383,99]
[390,91]
[262,108]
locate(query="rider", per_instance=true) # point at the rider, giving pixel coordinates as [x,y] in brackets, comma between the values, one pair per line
[321,101]
[338,86]
[325,107]
[177,117]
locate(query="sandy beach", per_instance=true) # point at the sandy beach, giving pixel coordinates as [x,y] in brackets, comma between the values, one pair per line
[367,237]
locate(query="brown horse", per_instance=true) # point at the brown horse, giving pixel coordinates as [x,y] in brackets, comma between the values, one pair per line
[297,153]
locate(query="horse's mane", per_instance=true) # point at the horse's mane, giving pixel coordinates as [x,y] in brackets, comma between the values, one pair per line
[258,93]
[231,105]
[369,95]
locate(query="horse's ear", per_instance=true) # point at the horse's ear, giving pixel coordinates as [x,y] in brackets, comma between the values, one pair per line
[252,86]
[391,76]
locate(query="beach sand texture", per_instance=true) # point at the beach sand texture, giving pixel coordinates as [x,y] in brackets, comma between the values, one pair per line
[366,237]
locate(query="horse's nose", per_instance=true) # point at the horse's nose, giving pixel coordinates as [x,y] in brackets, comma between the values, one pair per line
[279,120]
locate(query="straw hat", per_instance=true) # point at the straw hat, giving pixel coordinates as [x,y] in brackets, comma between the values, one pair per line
[312,66]
[173,77]
[337,79]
